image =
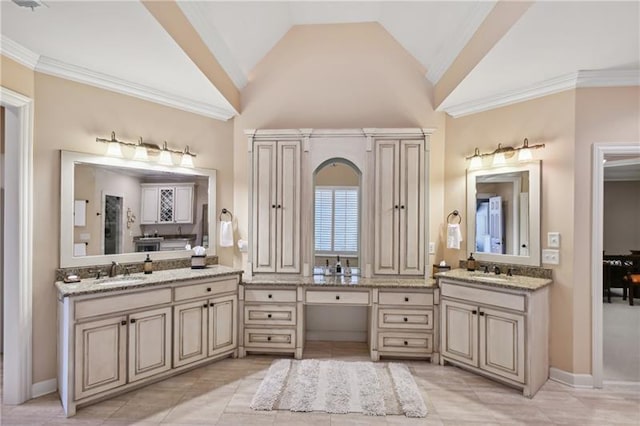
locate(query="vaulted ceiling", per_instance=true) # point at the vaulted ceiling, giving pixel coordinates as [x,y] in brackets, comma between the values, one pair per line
[129,47]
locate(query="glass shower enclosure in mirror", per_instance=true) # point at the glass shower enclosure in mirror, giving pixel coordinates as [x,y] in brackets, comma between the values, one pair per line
[503,210]
[113,209]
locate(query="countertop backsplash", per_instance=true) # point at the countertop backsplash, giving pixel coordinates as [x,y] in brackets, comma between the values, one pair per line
[158,265]
[524,270]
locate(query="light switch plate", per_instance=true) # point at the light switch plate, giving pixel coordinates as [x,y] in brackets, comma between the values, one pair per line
[551,257]
[432,247]
[553,239]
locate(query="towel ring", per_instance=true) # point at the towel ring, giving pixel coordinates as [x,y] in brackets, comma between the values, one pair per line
[225,211]
[455,214]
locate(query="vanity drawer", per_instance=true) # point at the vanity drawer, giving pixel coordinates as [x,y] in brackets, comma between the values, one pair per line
[405,342]
[125,302]
[270,296]
[338,297]
[480,296]
[269,338]
[420,319]
[405,298]
[269,315]
[205,289]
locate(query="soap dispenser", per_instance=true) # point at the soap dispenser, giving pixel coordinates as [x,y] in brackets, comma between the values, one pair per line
[471,263]
[148,265]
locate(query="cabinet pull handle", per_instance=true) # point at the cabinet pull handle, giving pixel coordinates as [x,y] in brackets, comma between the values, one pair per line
[133,320]
[270,296]
[406,299]
[208,288]
[269,316]
[406,343]
[123,322]
[269,338]
[481,313]
[474,312]
[211,304]
[406,319]
[337,297]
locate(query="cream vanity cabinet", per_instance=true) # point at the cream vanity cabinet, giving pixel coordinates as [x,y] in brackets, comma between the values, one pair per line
[399,207]
[276,206]
[501,333]
[112,342]
[166,203]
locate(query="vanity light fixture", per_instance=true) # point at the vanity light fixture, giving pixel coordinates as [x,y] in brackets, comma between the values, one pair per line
[140,153]
[187,158]
[165,156]
[501,154]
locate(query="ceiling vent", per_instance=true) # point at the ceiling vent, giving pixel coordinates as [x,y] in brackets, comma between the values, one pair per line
[30,3]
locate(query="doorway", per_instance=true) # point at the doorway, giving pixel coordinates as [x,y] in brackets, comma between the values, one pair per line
[112,228]
[604,157]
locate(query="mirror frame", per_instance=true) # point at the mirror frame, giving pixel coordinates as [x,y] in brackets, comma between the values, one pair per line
[533,167]
[67,193]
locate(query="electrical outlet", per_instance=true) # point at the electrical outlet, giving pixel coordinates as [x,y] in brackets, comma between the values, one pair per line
[553,239]
[432,247]
[551,257]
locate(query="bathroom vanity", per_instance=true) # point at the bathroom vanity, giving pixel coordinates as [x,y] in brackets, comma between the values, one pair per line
[117,334]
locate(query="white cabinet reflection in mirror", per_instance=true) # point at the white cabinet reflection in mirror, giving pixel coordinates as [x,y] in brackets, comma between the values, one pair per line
[503,210]
[168,200]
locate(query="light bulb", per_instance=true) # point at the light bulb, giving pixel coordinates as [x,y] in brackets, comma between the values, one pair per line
[525,155]
[114,150]
[499,159]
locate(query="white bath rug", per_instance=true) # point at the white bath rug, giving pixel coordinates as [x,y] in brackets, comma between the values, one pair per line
[375,389]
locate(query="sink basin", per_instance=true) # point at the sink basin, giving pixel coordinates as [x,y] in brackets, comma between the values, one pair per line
[120,280]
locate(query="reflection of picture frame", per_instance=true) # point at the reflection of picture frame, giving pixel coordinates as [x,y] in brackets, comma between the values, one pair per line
[205,226]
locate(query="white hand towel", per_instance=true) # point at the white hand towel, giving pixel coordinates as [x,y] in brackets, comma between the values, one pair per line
[454,236]
[226,234]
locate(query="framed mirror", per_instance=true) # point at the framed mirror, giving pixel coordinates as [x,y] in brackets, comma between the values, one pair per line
[114,209]
[503,214]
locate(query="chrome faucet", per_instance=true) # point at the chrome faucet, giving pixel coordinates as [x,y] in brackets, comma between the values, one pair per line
[113,269]
[510,272]
[496,270]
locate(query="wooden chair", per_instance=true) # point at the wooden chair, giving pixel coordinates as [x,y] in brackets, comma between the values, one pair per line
[613,275]
[633,282]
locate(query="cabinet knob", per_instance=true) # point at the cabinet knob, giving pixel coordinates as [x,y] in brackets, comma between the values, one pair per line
[279,206]
[269,316]
[474,312]
[273,206]
[123,322]
[270,296]
[395,207]
[205,305]
[406,343]
[337,297]
[133,320]
[208,288]
[406,299]
[406,319]
[269,338]
[402,207]
[211,304]
[481,313]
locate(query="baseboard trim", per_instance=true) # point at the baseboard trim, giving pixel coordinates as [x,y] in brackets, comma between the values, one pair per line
[337,336]
[43,388]
[570,379]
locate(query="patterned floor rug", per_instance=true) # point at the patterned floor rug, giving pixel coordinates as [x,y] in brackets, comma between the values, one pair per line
[376,389]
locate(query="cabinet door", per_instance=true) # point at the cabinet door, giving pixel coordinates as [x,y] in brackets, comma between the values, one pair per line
[386,209]
[223,324]
[183,208]
[149,205]
[502,343]
[149,343]
[288,208]
[166,204]
[459,332]
[264,207]
[100,356]
[190,332]
[412,215]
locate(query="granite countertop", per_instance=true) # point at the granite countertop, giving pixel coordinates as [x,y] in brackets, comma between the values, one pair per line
[140,280]
[516,282]
[339,281]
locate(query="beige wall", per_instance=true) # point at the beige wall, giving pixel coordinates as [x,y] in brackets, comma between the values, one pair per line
[337,174]
[336,76]
[69,116]
[621,217]
[16,77]
[549,120]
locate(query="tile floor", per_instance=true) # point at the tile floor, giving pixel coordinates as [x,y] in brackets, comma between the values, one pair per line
[220,393]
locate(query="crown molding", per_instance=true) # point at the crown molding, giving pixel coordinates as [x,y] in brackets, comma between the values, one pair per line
[580,79]
[57,68]
[18,52]
[450,50]
[195,13]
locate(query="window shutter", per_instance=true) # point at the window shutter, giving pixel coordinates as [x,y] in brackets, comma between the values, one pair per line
[323,219]
[336,219]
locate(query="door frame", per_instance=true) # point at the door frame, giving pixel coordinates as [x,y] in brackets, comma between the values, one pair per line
[103,216]
[18,301]
[600,150]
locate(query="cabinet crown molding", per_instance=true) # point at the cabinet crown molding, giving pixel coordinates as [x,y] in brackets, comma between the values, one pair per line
[284,134]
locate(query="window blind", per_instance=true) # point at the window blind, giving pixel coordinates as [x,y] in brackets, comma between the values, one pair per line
[336,219]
